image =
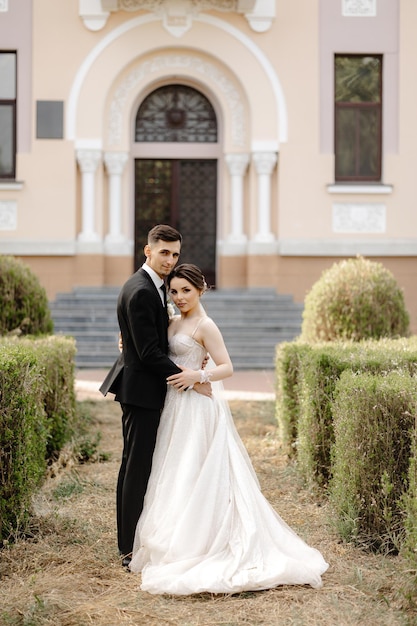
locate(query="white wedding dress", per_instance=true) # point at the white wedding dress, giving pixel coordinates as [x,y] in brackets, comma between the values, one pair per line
[205,526]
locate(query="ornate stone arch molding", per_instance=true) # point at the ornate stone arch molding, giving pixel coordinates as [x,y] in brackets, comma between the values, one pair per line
[93,69]
[177,15]
[183,65]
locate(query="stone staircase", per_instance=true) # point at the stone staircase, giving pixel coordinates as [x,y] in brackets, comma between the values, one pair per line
[252,321]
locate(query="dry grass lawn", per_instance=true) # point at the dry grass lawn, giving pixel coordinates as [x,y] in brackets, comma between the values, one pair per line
[67,573]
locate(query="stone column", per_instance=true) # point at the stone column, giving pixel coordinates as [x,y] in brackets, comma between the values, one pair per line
[115,163]
[88,160]
[264,164]
[237,164]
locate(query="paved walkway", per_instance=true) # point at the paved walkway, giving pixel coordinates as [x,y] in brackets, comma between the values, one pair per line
[243,385]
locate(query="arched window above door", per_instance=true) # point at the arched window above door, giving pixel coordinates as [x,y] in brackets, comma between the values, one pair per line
[176,113]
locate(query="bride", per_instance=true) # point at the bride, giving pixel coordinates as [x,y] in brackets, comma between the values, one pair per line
[205,526]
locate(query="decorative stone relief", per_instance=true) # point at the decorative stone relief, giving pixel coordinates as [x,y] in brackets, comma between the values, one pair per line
[8,215]
[237,163]
[359,218]
[88,160]
[196,5]
[359,8]
[177,15]
[264,162]
[176,62]
[115,162]
[4,5]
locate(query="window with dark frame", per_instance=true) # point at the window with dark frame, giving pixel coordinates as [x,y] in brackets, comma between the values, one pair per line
[7,115]
[358,118]
[176,113]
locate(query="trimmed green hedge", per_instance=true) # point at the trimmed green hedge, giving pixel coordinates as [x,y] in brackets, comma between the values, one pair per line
[23,435]
[37,413]
[374,418]
[304,398]
[24,307]
[355,299]
[349,411]
[56,358]
[287,369]
[410,504]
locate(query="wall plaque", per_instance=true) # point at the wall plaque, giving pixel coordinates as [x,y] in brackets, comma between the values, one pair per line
[8,215]
[359,218]
[359,8]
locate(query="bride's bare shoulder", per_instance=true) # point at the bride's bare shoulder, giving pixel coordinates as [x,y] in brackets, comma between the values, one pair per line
[209,325]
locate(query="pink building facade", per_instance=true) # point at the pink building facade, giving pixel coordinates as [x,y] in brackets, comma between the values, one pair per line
[234,120]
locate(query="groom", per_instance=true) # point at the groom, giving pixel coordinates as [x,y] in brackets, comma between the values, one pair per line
[138,377]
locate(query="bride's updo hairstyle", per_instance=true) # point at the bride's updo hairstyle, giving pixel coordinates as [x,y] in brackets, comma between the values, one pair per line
[189,272]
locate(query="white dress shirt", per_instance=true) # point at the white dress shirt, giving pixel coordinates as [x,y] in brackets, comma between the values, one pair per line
[156,279]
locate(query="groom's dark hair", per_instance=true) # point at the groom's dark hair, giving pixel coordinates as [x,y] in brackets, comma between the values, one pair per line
[163,232]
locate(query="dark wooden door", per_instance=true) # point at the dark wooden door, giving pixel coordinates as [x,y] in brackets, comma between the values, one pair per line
[182,193]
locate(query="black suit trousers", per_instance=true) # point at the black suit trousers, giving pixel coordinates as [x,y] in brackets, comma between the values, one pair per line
[140,427]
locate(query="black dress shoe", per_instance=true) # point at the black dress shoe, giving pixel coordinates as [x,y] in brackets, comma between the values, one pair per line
[126,561]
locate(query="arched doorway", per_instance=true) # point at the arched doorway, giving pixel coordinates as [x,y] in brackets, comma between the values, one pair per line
[176,172]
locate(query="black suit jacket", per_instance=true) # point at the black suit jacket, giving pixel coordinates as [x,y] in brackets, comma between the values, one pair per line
[139,375]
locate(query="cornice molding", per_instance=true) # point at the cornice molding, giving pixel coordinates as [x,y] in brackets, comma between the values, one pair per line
[177,15]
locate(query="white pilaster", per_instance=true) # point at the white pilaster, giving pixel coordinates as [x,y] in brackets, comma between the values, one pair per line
[264,164]
[237,164]
[88,160]
[115,241]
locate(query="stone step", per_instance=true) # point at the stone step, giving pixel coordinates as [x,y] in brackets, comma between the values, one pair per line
[245,307]
[84,324]
[252,322]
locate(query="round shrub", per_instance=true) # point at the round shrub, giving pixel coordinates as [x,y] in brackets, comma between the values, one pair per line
[353,300]
[24,305]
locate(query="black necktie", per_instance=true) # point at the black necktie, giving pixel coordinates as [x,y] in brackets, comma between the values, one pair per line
[164,291]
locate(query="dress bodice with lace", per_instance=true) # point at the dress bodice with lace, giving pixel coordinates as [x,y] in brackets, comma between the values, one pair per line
[185,350]
[205,525]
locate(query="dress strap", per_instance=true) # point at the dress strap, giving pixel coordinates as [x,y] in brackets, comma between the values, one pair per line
[198,324]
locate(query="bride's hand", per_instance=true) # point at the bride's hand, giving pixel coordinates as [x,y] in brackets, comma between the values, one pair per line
[203,388]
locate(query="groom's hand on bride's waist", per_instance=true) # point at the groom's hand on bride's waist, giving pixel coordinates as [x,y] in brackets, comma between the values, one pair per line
[184,379]
[188,378]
